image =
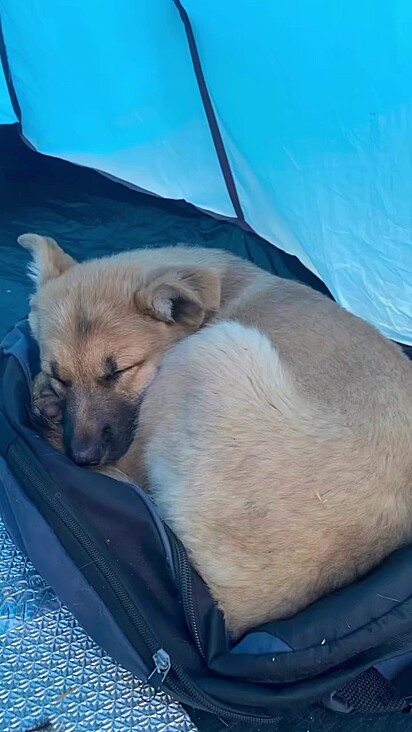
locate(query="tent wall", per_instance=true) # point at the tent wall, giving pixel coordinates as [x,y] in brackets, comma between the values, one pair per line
[109,84]
[313,102]
[7,115]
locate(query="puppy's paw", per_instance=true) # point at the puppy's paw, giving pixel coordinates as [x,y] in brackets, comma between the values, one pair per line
[47,406]
[47,411]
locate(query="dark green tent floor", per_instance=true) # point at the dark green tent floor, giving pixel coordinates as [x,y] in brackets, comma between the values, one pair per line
[92,216]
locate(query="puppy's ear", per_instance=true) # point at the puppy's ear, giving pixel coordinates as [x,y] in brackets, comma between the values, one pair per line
[187,297]
[49,260]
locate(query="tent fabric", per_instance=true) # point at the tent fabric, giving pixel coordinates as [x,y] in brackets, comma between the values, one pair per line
[7,115]
[313,103]
[109,85]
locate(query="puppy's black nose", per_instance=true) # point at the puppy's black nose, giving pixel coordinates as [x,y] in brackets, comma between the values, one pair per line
[86,450]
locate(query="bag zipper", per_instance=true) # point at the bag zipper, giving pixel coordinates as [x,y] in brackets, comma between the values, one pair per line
[162,665]
[19,460]
[159,678]
[186,591]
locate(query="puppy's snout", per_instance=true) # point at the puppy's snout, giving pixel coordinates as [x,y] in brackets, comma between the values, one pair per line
[89,449]
[96,430]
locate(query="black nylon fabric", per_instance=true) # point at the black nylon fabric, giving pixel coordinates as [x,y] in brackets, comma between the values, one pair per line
[379,607]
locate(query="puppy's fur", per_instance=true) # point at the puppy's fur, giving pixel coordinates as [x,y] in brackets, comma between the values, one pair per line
[276,440]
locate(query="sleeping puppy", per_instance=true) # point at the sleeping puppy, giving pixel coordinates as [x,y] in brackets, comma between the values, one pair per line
[275,429]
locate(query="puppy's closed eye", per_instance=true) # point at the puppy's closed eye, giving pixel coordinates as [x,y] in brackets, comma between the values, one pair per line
[113,371]
[115,374]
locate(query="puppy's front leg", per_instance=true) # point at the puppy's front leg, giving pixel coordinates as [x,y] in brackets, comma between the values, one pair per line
[47,412]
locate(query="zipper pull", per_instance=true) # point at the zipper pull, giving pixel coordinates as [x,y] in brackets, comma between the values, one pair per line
[162,664]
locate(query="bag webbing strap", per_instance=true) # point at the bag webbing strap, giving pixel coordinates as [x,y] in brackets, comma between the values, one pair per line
[368,693]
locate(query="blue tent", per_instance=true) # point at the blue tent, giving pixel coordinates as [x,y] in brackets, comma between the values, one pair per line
[294,118]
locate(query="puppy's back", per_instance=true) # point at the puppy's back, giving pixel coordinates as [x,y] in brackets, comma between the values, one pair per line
[276,497]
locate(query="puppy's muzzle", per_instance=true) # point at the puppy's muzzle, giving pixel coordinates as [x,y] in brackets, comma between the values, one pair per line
[90,449]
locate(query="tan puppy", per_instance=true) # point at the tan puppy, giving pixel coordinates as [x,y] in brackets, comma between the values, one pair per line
[278,446]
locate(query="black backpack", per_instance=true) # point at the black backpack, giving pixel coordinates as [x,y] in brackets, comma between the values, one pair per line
[102,547]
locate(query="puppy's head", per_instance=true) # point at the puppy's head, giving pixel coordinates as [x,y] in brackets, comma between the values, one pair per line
[102,327]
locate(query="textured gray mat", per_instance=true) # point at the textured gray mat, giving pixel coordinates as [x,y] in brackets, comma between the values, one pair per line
[51,671]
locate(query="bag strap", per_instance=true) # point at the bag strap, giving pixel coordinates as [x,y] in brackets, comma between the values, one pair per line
[369,693]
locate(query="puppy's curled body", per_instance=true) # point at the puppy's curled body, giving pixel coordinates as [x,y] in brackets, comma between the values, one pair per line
[275,436]
[276,499]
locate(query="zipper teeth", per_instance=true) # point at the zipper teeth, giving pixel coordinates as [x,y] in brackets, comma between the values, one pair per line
[185,683]
[208,706]
[187,596]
